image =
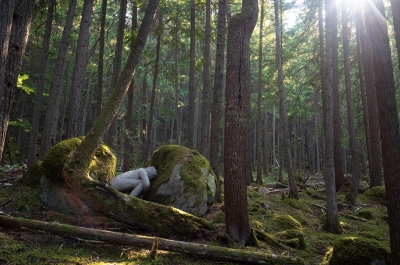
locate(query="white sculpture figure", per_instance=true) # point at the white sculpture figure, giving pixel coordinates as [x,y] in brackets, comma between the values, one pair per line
[137,180]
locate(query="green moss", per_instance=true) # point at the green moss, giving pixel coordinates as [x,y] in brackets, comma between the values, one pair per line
[315,194]
[358,250]
[102,167]
[298,204]
[376,194]
[192,164]
[258,225]
[365,213]
[286,221]
[32,176]
[58,155]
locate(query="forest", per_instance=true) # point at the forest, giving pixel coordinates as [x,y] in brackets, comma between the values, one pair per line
[299,93]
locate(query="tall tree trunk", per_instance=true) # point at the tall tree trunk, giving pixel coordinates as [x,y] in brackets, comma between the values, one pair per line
[293,193]
[178,108]
[74,119]
[100,65]
[117,65]
[85,106]
[395,4]
[205,110]
[259,98]
[6,15]
[240,28]
[388,119]
[375,169]
[332,220]
[143,121]
[362,82]
[192,89]
[265,144]
[274,164]
[338,151]
[21,22]
[51,118]
[128,133]
[350,116]
[150,139]
[40,84]
[216,131]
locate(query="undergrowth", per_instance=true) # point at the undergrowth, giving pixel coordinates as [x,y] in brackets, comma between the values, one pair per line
[291,228]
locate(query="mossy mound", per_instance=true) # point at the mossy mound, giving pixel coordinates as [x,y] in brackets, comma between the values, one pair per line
[375,194]
[286,221]
[184,180]
[298,204]
[357,250]
[366,214]
[292,238]
[102,168]
[54,193]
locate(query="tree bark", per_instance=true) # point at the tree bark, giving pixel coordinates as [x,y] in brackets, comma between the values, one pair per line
[361,76]
[49,133]
[199,250]
[143,121]
[21,22]
[375,168]
[259,146]
[337,147]
[240,28]
[191,139]
[205,109]
[112,131]
[332,221]
[129,131]
[396,23]
[350,115]
[293,193]
[6,15]
[388,119]
[178,108]
[216,131]
[40,85]
[74,119]
[152,111]
[100,66]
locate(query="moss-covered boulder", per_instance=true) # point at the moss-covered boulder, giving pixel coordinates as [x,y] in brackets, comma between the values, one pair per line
[54,192]
[358,250]
[184,180]
[375,194]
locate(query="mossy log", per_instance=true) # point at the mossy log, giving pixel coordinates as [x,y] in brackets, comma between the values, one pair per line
[158,219]
[199,250]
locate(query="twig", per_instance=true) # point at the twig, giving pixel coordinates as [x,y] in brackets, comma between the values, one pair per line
[4,203]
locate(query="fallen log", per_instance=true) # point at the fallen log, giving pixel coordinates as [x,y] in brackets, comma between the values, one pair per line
[198,250]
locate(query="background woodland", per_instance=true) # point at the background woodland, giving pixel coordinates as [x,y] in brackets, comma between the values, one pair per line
[322,100]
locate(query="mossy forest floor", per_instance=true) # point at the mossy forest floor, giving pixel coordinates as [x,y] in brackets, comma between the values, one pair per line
[282,219]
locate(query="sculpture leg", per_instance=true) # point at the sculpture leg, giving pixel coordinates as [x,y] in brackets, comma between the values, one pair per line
[137,190]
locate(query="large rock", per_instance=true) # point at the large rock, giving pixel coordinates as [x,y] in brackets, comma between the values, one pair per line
[54,192]
[184,180]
